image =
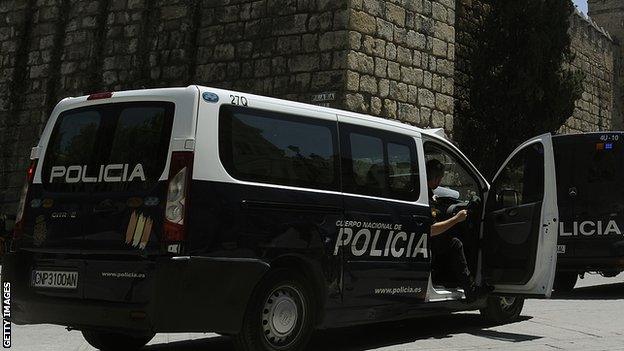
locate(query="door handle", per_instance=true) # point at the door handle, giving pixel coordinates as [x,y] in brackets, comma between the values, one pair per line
[512,213]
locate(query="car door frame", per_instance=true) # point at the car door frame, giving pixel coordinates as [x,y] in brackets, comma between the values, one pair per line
[423,268]
[541,281]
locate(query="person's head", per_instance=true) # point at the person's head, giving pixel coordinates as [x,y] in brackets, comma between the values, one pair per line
[435,173]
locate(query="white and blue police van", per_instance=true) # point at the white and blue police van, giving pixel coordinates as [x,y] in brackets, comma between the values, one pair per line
[591,205]
[204,210]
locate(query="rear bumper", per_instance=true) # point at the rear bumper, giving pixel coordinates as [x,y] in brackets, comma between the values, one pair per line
[185,294]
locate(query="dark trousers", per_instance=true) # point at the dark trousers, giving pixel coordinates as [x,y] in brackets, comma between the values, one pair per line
[450,249]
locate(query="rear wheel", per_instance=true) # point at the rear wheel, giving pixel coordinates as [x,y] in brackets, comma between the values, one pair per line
[565,281]
[502,310]
[106,341]
[280,315]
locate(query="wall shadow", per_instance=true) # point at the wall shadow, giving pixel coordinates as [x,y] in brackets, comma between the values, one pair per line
[613,291]
[374,336]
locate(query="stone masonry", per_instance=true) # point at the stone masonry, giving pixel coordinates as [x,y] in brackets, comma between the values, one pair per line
[400,63]
[390,58]
[595,54]
[399,59]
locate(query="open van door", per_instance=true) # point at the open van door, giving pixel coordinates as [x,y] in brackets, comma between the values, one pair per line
[521,221]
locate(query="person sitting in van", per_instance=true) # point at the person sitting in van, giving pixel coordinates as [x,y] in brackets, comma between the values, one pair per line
[444,244]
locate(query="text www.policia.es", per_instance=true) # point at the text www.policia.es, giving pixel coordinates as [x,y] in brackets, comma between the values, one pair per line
[398,290]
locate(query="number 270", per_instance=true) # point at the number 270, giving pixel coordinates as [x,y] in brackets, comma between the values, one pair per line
[239,100]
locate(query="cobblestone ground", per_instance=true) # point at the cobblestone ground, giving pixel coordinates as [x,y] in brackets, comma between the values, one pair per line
[590,318]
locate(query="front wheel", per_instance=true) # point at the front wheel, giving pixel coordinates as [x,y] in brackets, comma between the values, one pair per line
[280,315]
[106,341]
[502,310]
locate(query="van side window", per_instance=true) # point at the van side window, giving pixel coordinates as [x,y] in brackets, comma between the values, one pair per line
[458,183]
[368,164]
[522,180]
[275,148]
[379,163]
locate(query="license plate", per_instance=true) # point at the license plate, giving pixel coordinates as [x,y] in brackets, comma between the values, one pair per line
[561,248]
[54,279]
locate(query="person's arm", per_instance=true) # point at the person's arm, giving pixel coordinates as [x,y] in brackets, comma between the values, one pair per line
[440,227]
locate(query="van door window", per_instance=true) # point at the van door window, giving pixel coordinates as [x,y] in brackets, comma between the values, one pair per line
[109,147]
[271,147]
[522,180]
[457,184]
[380,163]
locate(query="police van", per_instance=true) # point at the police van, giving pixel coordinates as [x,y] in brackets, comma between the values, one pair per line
[591,205]
[203,210]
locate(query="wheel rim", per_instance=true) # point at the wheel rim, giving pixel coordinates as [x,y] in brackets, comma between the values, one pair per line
[283,313]
[507,302]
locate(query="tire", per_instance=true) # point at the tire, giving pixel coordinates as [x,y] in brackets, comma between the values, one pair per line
[285,294]
[565,281]
[106,341]
[502,310]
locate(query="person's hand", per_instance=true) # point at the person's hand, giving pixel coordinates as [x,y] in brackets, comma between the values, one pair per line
[461,216]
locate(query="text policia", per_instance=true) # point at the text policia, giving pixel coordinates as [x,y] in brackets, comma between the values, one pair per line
[380,240]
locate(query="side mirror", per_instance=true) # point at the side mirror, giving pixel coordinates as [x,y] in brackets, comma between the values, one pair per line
[508,198]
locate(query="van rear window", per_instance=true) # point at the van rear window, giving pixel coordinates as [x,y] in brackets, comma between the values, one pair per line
[270,147]
[588,171]
[110,147]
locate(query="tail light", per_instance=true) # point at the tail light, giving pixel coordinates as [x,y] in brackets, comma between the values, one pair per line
[19,217]
[174,227]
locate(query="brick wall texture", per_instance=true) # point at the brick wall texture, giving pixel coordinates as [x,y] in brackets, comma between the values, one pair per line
[399,59]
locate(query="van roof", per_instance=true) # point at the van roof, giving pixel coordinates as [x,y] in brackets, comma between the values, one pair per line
[579,135]
[436,133]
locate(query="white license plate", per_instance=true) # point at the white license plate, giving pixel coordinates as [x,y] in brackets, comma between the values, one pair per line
[54,279]
[561,248]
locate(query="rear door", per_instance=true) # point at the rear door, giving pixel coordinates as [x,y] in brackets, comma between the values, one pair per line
[521,222]
[101,183]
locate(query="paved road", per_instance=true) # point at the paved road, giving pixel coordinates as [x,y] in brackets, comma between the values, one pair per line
[590,318]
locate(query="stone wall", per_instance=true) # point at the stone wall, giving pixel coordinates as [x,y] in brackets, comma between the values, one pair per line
[393,58]
[595,56]
[609,14]
[401,58]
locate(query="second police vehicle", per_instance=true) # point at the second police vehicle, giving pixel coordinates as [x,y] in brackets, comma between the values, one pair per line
[591,205]
[204,210]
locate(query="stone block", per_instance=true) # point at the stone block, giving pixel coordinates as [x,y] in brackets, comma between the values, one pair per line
[360,62]
[381,67]
[352,81]
[409,113]
[395,14]
[444,103]
[368,84]
[385,29]
[376,105]
[426,98]
[356,103]
[389,109]
[363,22]
[384,88]
[304,63]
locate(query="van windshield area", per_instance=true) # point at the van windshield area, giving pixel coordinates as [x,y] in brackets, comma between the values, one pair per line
[108,148]
[589,176]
